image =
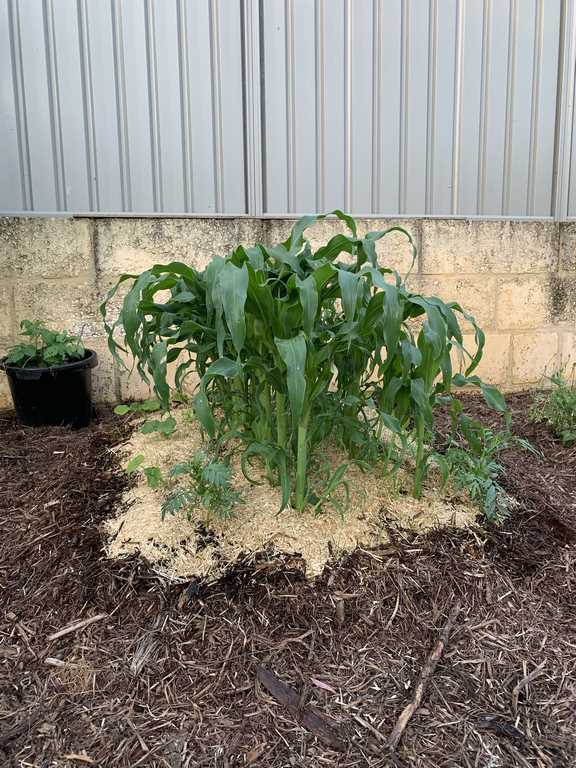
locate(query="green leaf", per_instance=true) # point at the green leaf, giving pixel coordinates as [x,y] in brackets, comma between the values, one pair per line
[225,367]
[148,406]
[348,220]
[153,477]
[294,242]
[421,399]
[494,398]
[234,284]
[134,463]
[309,300]
[121,410]
[293,353]
[204,413]
[349,286]
[217,473]
[165,427]
[158,366]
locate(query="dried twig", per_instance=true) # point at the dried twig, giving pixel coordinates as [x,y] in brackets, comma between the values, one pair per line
[425,675]
[524,682]
[76,626]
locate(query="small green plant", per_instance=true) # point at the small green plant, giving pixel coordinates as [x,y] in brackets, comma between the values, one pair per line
[43,347]
[471,462]
[198,483]
[141,408]
[294,347]
[206,484]
[558,408]
[165,426]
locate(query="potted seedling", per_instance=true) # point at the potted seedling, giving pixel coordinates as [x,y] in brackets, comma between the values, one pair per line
[50,376]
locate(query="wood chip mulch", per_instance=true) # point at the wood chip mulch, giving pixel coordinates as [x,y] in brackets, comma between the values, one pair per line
[103,663]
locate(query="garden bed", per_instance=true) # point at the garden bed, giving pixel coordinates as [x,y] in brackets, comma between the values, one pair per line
[164,673]
[206,547]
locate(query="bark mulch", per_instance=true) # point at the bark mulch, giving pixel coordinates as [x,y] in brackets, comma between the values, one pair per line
[103,663]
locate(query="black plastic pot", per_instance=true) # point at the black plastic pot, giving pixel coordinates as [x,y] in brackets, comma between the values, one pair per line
[59,395]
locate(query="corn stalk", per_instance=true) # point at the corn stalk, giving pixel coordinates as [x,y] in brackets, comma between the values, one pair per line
[295,347]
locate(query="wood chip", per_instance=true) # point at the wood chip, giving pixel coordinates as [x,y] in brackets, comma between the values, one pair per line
[318,724]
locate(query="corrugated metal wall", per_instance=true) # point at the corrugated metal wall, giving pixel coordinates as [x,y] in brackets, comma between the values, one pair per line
[410,107]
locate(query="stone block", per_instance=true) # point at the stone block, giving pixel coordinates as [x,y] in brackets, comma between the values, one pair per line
[468,247]
[105,378]
[568,246]
[475,294]
[523,302]
[568,351]
[68,306]
[41,247]
[562,297]
[534,355]
[5,396]
[7,325]
[134,245]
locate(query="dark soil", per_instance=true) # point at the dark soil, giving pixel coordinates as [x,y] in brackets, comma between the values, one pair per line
[167,677]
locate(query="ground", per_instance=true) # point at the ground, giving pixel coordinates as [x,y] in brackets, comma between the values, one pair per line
[166,673]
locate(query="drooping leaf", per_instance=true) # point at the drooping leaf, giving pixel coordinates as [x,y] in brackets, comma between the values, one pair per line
[309,301]
[293,353]
[234,283]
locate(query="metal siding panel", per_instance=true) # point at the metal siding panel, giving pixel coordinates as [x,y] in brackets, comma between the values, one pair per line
[201,119]
[571,201]
[170,146]
[252,54]
[72,126]
[441,120]
[414,110]
[11,192]
[229,106]
[521,96]
[564,157]
[387,53]
[135,103]
[333,77]
[305,119]
[496,115]
[37,101]
[100,50]
[232,129]
[361,165]
[275,159]
[540,191]
[466,199]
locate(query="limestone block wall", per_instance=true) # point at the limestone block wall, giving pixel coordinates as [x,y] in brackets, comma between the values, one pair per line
[517,277]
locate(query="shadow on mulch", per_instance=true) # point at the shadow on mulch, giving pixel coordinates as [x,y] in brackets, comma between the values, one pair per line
[167,676]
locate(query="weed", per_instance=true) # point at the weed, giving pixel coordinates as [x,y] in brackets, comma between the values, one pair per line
[471,462]
[558,408]
[199,482]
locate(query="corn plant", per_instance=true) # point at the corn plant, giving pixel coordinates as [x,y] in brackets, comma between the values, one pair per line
[294,347]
